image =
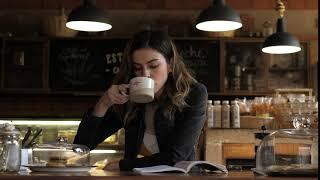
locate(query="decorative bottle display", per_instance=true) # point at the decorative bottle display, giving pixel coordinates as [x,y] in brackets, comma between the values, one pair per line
[217,114]
[209,114]
[235,115]
[225,114]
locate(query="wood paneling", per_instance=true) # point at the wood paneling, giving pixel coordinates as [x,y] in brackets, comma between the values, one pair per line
[238,150]
[288,148]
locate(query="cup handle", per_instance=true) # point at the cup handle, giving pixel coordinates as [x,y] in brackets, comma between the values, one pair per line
[124,89]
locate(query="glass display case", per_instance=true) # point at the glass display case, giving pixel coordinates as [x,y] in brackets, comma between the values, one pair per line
[52,129]
[287,152]
[60,154]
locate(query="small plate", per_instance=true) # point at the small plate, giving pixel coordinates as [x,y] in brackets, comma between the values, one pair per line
[35,168]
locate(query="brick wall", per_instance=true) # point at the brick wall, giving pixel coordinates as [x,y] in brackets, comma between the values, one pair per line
[156,4]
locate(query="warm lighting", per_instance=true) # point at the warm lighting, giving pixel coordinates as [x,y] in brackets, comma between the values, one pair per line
[88,17]
[281,49]
[281,42]
[45,122]
[101,151]
[218,17]
[88,26]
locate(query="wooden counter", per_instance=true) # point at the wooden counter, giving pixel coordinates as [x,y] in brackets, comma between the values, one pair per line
[100,174]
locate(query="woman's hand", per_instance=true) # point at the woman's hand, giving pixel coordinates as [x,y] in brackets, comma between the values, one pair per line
[112,166]
[116,94]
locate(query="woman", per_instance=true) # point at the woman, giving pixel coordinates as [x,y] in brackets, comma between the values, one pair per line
[164,131]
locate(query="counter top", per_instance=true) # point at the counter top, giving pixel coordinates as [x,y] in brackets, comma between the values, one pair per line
[100,174]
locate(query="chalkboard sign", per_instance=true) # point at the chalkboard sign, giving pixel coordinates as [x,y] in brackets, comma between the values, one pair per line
[90,65]
[84,64]
[202,57]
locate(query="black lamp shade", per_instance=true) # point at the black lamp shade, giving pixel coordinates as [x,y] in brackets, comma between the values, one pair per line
[88,17]
[281,42]
[218,17]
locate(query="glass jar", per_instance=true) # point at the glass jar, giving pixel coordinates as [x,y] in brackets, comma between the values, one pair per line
[10,148]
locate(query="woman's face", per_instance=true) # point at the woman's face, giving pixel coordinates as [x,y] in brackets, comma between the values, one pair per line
[150,63]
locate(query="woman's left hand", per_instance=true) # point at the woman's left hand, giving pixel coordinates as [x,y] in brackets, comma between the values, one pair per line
[112,166]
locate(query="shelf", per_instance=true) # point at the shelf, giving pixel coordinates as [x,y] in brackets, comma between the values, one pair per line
[286,69]
[242,93]
[43,91]
[250,68]
[24,67]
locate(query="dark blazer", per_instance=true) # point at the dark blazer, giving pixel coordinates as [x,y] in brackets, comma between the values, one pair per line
[176,139]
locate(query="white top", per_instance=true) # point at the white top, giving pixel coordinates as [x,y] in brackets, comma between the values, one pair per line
[149,139]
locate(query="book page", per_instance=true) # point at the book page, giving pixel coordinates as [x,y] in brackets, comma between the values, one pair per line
[157,169]
[187,165]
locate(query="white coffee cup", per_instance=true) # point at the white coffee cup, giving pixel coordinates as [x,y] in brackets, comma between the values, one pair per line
[141,90]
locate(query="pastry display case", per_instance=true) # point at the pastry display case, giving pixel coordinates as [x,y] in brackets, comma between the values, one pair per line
[46,132]
[299,159]
[60,154]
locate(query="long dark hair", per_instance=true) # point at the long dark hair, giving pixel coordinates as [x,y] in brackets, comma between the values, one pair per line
[179,81]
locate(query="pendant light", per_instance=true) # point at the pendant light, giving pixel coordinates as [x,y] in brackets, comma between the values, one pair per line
[218,17]
[281,42]
[87,17]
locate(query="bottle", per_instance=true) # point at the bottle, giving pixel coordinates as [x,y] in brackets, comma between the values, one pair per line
[209,114]
[225,114]
[235,115]
[217,114]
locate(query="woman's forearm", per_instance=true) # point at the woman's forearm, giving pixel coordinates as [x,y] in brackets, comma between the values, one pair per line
[100,109]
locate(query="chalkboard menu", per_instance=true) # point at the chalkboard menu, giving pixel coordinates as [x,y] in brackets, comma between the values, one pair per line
[202,57]
[91,64]
[84,64]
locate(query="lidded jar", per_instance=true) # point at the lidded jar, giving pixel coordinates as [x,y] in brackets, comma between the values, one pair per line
[289,152]
[61,154]
[10,148]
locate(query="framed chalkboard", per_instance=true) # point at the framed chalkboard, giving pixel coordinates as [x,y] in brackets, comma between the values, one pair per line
[90,64]
[84,64]
[202,57]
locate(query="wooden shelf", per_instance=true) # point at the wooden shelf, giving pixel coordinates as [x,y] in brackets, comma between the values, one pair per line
[246,47]
[286,69]
[241,93]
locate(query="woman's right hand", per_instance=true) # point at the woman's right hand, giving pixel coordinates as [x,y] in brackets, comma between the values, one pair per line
[116,94]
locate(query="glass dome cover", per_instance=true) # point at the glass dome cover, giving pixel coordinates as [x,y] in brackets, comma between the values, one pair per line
[60,154]
[289,152]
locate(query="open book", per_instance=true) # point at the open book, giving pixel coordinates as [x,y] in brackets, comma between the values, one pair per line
[182,166]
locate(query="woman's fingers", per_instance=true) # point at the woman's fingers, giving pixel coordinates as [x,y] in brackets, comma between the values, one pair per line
[115,94]
[123,89]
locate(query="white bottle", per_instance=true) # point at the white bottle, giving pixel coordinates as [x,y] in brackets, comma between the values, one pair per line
[314,152]
[225,114]
[235,115]
[209,114]
[217,114]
